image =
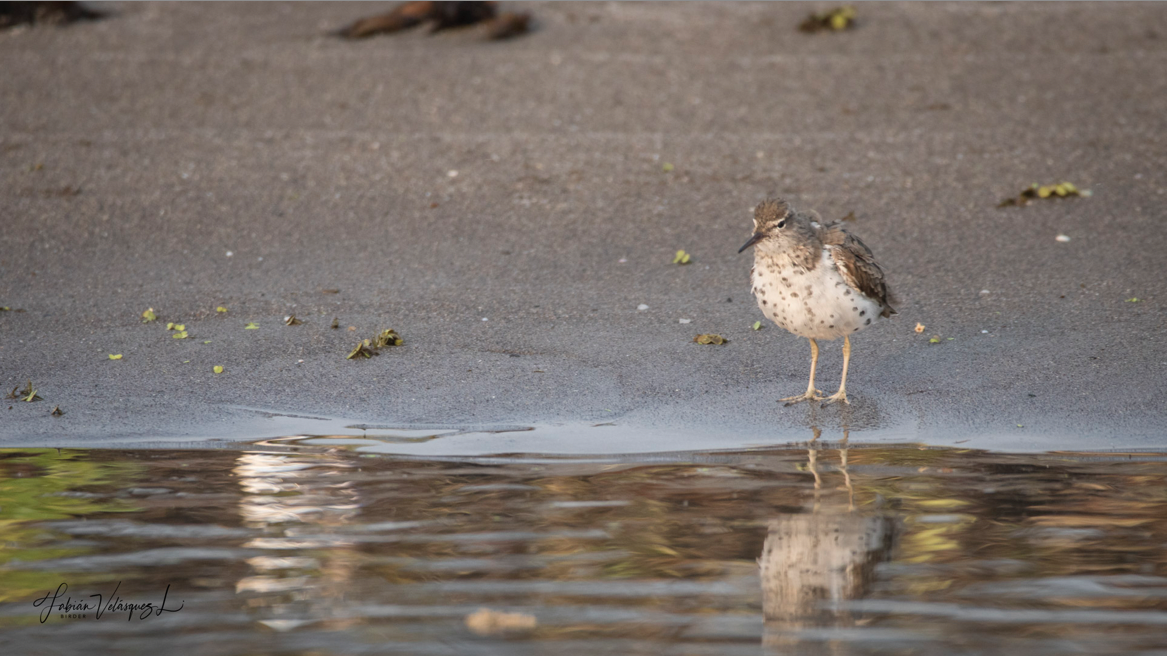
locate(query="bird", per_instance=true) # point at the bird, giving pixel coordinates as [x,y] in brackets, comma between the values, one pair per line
[816,281]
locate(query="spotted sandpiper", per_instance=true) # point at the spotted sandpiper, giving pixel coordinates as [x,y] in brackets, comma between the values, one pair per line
[816,281]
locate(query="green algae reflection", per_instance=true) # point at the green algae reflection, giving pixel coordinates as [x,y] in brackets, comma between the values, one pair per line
[39,485]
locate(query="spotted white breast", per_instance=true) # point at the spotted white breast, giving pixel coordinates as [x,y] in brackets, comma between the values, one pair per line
[815,303]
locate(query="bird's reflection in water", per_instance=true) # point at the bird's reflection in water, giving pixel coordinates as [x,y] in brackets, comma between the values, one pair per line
[814,560]
[304,502]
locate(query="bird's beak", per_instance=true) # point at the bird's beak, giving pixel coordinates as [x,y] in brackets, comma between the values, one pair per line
[753,240]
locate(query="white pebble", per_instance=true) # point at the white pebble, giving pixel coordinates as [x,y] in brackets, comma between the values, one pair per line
[485,319]
[985,291]
[686,320]
[623,260]
[984,332]
[642,307]
[229,253]
[1062,238]
[452,173]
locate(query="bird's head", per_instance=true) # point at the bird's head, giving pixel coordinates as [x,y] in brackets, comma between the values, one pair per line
[776,223]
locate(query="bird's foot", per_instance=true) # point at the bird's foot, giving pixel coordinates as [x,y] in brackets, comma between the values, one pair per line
[841,395]
[811,395]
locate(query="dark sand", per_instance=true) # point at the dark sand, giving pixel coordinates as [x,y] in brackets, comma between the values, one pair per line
[194,130]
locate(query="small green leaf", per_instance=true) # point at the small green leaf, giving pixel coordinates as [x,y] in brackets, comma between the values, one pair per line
[935,339]
[388,338]
[115,356]
[840,18]
[221,310]
[180,335]
[149,316]
[363,348]
[1134,299]
[206,341]
[710,339]
[170,325]
[28,394]
[217,369]
[251,325]
[681,257]
[757,325]
[667,167]
[1034,191]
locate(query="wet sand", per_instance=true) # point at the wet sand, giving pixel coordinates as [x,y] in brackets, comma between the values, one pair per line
[139,151]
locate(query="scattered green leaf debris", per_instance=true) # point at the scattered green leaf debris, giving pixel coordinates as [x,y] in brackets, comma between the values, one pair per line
[217,369]
[57,412]
[757,325]
[221,310]
[388,338]
[371,347]
[28,394]
[206,341]
[251,325]
[149,316]
[935,339]
[835,20]
[176,326]
[1036,191]
[115,356]
[364,347]
[667,168]
[182,334]
[681,257]
[291,320]
[710,338]
[1134,299]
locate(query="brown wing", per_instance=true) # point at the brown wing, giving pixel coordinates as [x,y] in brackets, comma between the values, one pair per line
[857,265]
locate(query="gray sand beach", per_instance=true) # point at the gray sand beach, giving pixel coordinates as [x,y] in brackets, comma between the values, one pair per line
[506,208]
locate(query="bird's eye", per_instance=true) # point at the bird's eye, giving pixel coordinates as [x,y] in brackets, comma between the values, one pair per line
[782,223]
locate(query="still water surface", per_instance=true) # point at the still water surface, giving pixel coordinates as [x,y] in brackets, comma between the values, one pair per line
[308,546]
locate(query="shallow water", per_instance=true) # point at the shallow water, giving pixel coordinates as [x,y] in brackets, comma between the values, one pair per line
[309,546]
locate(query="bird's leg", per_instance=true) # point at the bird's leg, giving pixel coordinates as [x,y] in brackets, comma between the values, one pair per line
[841,395]
[812,394]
